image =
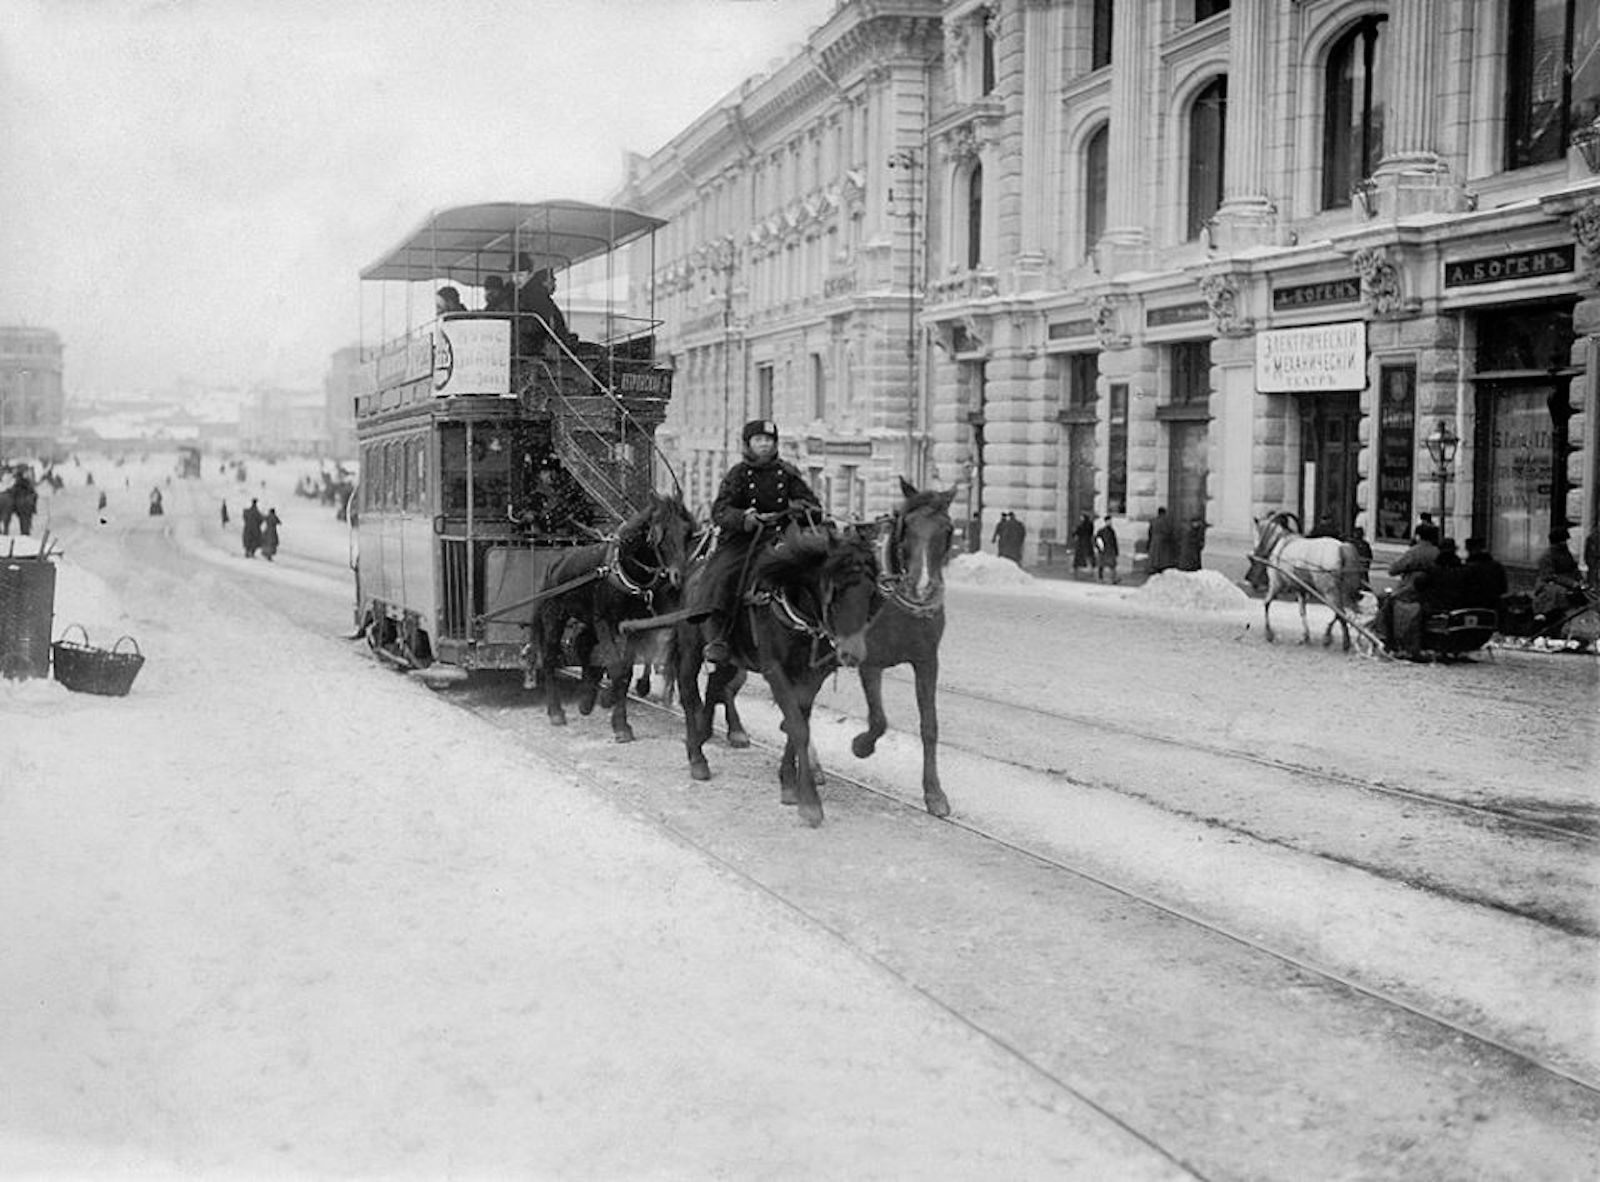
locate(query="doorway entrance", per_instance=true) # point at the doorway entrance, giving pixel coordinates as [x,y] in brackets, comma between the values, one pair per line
[1330,450]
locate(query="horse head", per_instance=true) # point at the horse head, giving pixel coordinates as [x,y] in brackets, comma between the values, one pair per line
[655,541]
[913,548]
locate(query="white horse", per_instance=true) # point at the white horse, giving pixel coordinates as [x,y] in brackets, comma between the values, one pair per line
[1322,568]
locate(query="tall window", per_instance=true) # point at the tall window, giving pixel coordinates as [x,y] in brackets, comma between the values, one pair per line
[975,216]
[1083,377]
[1208,123]
[1191,373]
[1552,77]
[1096,172]
[1117,460]
[819,388]
[986,26]
[1352,138]
[764,386]
[1100,35]
[1206,9]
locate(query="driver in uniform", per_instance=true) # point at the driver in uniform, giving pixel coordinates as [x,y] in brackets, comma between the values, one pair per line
[757,486]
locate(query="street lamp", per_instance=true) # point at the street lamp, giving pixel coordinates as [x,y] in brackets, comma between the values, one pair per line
[1441,445]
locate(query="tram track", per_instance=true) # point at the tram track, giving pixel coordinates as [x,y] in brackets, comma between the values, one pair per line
[734,829]
[1587,834]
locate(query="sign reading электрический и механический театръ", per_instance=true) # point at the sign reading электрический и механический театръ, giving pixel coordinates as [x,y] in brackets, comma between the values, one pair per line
[1318,357]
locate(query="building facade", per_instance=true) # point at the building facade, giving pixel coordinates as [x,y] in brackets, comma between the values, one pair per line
[1332,256]
[32,398]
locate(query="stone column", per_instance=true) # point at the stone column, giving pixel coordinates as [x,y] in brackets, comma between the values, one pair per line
[1040,20]
[1411,178]
[1247,218]
[1127,199]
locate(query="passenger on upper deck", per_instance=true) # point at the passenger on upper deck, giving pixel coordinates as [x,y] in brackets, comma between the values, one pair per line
[536,295]
[447,299]
[497,294]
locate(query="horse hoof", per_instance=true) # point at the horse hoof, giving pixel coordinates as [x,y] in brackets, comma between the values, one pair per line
[938,806]
[786,795]
[699,770]
[863,745]
[586,708]
[642,687]
[811,814]
[607,698]
[623,736]
[738,739]
[558,720]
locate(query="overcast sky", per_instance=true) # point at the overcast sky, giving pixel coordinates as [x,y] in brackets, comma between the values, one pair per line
[190,187]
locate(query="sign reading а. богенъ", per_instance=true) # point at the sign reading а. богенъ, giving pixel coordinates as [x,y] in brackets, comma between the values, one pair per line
[1321,357]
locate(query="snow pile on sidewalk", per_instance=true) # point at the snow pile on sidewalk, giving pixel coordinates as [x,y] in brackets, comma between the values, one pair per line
[1197,590]
[985,570]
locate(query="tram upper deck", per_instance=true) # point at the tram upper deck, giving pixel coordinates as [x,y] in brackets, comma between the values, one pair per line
[598,382]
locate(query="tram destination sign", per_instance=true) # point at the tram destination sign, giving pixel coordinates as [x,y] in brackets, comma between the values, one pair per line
[1318,357]
[1519,264]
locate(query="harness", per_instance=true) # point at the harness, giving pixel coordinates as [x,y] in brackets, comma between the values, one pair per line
[612,568]
[893,582]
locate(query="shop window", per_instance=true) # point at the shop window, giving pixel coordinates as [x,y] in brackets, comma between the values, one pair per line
[1397,452]
[1100,35]
[1352,141]
[1082,378]
[1117,461]
[1552,77]
[1208,118]
[1096,172]
[1191,374]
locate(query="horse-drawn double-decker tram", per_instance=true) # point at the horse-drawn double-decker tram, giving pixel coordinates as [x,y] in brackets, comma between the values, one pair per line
[492,437]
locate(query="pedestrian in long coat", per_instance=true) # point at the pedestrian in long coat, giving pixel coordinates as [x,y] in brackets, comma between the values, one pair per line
[1191,543]
[1083,543]
[1162,543]
[1105,553]
[269,534]
[252,528]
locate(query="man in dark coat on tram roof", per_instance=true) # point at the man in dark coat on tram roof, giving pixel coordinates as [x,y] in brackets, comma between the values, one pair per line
[535,303]
[759,485]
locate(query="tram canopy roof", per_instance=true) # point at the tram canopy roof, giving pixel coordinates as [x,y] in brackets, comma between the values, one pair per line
[481,240]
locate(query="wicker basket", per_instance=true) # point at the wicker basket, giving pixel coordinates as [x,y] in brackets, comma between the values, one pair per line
[88,670]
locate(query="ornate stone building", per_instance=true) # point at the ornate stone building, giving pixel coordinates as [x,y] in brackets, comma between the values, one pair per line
[791,269]
[1219,258]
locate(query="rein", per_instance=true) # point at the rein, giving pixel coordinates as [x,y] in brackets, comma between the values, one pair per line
[892,576]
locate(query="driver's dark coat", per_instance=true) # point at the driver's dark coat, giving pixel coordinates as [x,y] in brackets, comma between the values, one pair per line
[768,486]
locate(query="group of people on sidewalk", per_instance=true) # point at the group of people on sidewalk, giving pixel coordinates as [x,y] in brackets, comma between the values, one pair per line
[260,530]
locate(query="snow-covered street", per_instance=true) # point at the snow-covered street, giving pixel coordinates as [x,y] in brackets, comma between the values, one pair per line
[283,911]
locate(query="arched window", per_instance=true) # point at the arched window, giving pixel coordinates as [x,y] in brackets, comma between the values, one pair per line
[1208,125]
[975,216]
[1096,177]
[1352,138]
[1552,77]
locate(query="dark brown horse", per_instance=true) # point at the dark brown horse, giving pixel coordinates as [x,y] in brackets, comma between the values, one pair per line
[815,594]
[912,546]
[590,590]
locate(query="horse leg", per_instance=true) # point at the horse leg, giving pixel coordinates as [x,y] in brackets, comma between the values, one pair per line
[795,776]
[621,669]
[589,688]
[927,680]
[1305,624]
[688,670]
[549,659]
[864,744]
[1266,614]
[737,735]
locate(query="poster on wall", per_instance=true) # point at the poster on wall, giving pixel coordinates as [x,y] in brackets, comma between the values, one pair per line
[1319,357]
[1397,430]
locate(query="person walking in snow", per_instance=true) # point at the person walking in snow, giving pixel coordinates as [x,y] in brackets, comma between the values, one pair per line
[225,518]
[252,529]
[1105,553]
[1083,543]
[269,534]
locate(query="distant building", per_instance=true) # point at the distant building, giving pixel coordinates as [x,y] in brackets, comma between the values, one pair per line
[32,403]
[275,422]
[346,378]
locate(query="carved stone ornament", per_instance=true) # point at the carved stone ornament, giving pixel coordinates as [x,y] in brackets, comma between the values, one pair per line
[1108,323]
[1380,280]
[1222,298]
[955,45]
[961,144]
[1586,229]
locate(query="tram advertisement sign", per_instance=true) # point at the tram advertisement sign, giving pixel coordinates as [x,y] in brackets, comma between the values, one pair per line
[1319,357]
[471,357]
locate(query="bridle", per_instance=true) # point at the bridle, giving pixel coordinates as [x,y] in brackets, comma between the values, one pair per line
[893,579]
